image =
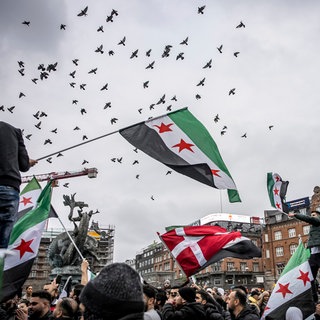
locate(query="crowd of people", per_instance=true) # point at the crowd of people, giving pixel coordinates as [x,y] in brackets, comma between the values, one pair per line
[118,293]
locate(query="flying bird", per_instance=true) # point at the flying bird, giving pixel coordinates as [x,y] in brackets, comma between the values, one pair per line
[150,65]
[174,98]
[169,108]
[146,84]
[198,96]
[135,162]
[168,172]
[208,64]
[49,159]
[47,141]
[216,118]
[34,80]
[185,41]
[21,71]
[38,125]
[93,71]
[236,54]
[152,198]
[55,130]
[83,110]
[21,64]
[244,135]
[241,25]
[270,127]
[113,159]
[83,86]
[232,91]
[220,48]
[28,136]
[2,108]
[83,12]
[148,53]
[109,18]
[62,27]
[201,9]
[75,61]
[72,84]
[140,110]
[37,114]
[119,160]
[110,52]
[180,56]
[222,132]
[100,29]
[201,82]
[134,54]
[105,87]
[113,120]
[52,67]
[107,105]
[122,42]
[72,74]
[84,137]
[66,185]
[162,99]
[99,49]
[27,23]
[11,109]
[21,94]
[84,162]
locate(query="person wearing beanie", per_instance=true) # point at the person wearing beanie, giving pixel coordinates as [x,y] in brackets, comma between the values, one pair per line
[186,307]
[116,293]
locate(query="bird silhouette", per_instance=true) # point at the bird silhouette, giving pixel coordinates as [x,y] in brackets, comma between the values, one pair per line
[148,53]
[83,12]
[37,115]
[270,127]
[119,160]
[28,136]
[151,107]
[76,128]
[84,162]
[222,132]
[38,125]
[83,111]
[135,162]
[100,29]
[11,109]
[236,54]
[208,64]
[2,108]
[169,108]
[232,91]
[49,159]
[201,82]
[72,74]
[241,25]
[180,56]
[21,94]
[109,18]
[99,49]
[105,87]
[84,137]
[113,120]
[150,65]
[44,75]
[59,155]
[134,54]
[137,176]
[201,9]
[55,130]
[244,135]
[135,150]
[198,96]
[168,172]
[114,12]
[34,80]
[220,48]
[224,128]
[41,67]
[152,198]
[27,23]
[75,61]
[113,159]
[83,86]
[146,84]
[110,52]
[185,41]
[72,84]
[94,71]
[216,118]
[107,105]
[47,141]
[174,98]
[66,185]
[140,110]
[21,64]
[21,71]
[162,99]
[43,114]
[123,41]
[52,67]
[62,27]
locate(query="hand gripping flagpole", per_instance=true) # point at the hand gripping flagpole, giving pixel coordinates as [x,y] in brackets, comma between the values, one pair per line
[105,135]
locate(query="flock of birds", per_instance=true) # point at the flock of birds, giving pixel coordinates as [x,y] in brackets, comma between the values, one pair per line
[46,70]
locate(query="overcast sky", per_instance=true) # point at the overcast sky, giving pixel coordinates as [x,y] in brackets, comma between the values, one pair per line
[275,76]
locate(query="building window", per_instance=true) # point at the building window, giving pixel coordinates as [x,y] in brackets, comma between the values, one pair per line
[279,251]
[230,266]
[243,266]
[266,237]
[293,248]
[280,267]
[255,267]
[216,266]
[306,230]
[267,253]
[217,282]
[292,233]
[277,235]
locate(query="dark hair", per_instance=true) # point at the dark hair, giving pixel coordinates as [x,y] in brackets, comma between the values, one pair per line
[204,295]
[67,308]
[161,296]
[29,285]
[42,294]
[149,291]
[25,301]
[241,296]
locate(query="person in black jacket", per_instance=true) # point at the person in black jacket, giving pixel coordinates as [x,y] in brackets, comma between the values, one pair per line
[212,308]
[239,308]
[13,159]
[183,306]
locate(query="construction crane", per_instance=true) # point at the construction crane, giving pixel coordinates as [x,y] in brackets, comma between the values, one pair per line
[90,172]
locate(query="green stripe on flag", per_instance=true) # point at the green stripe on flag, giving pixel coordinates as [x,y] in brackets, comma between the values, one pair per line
[270,184]
[32,185]
[35,216]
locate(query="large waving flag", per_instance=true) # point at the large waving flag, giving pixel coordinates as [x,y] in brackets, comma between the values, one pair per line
[293,288]
[277,190]
[196,247]
[23,246]
[181,142]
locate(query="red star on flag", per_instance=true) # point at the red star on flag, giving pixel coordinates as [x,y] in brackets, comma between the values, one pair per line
[278,205]
[304,276]
[284,289]
[24,247]
[277,178]
[164,127]
[25,201]
[276,191]
[183,145]
[215,172]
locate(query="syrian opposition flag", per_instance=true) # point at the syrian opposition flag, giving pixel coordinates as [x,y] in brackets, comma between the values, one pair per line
[277,190]
[23,246]
[293,288]
[181,142]
[196,247]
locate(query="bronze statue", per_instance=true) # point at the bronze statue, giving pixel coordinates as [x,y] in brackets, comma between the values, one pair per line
[315,199]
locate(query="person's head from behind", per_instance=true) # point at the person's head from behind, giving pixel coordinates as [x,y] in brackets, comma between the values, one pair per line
[149,296]
[66,308]
[115,293]
[39,304]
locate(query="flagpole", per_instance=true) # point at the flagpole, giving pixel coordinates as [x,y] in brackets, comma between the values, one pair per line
[105,135]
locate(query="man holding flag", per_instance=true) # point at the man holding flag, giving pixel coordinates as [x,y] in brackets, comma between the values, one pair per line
[13,159]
